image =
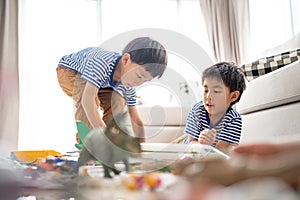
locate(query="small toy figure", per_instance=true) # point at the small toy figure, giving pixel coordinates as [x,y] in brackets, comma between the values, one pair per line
[109,145]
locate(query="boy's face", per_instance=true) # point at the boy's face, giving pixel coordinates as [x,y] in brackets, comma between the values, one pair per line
[217,97]
[134,74]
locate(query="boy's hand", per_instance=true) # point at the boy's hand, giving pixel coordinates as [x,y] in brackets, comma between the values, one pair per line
[207,136]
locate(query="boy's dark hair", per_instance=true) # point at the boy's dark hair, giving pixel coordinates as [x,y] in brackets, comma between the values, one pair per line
[149,53]
[230,74]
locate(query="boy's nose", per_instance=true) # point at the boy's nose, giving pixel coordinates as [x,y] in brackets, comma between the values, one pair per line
[208,95]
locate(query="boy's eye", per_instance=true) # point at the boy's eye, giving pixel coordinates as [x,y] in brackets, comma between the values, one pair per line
[138,76]
[217,91]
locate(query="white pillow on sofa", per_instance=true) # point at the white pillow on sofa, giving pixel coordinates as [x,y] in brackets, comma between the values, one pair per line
[291,44]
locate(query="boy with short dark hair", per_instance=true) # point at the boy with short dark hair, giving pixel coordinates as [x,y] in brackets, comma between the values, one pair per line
[213,121]
[96,77]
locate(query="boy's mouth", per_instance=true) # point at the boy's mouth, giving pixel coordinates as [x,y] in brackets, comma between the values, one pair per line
[209,105]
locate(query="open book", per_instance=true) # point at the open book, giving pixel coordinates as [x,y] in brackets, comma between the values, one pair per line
[176,151]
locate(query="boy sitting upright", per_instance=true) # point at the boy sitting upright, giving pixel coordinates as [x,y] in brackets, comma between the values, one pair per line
[213,121]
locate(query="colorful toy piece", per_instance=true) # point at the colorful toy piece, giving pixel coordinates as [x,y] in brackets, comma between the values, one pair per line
[149,181]
[152,180]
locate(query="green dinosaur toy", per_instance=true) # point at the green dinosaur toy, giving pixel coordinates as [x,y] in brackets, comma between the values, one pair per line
[109,146]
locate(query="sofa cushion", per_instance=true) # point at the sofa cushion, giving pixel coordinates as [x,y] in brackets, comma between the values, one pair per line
[268,64]
[163,116]
[289,45]
[273,89]
[274,124]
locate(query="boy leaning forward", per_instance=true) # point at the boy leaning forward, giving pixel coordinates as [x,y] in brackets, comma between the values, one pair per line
[95,77]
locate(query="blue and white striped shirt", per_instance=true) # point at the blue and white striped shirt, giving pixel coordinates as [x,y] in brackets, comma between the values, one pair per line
[97,66]
[228,128]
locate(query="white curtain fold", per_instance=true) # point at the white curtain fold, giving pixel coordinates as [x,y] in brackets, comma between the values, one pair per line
[9,79]
[227,23]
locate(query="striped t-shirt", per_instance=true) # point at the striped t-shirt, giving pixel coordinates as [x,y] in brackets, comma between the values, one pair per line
[228,128]
[97,66]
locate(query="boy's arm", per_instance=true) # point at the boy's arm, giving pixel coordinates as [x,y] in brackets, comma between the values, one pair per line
[192,140]
[224,146]
[137,124]
[233,129]
[89,105]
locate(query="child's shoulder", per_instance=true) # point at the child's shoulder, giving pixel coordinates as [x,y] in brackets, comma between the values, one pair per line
[198,106]
[233,113]
[98,49]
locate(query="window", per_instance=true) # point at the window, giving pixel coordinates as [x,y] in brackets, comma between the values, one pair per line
[50,29]
[295,15]
[182,16]
[272,22]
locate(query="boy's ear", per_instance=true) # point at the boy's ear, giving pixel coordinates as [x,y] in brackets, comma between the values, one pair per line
[125,58]
[234,96]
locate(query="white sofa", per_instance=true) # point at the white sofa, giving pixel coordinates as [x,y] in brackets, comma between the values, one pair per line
[270,105]
[163,124]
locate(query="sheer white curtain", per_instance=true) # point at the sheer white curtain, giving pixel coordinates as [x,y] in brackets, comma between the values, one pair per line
[227,24]
[295,14]
[50,29]
[9,83]
[241,31]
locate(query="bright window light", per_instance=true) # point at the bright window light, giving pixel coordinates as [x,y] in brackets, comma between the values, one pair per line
[270,24]
[50,29]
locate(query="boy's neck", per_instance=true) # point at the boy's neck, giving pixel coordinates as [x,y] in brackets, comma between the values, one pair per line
[117,73]
[214,119]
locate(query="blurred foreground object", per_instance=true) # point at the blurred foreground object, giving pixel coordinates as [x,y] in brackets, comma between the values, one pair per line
[109,146]
[280,161]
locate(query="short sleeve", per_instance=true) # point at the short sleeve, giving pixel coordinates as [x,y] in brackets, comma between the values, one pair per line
[96,75]
[192,127]
[130,97]
[129,94]
[231,133]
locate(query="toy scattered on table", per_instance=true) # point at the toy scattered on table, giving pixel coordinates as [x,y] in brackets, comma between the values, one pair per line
[149,181]
[50,164]
[109,146]
[35,163]
[59,165]
[32,157]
